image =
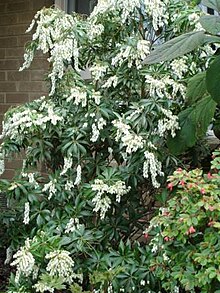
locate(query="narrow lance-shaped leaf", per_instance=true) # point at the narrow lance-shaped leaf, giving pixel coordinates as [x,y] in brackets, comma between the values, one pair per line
[211,23]
[176,47]
[213,79]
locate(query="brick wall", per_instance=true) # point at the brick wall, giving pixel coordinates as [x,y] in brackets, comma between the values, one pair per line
[18,87]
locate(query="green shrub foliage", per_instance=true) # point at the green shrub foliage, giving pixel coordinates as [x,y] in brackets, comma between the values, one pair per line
[95,149]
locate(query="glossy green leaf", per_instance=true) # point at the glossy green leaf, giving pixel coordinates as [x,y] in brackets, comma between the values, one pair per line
[196,87]
[194,122]
[213,79]
[176,47]
[211,23]
[214,4]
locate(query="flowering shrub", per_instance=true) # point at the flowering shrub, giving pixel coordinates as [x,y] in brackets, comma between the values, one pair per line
[95,150]
[186,240]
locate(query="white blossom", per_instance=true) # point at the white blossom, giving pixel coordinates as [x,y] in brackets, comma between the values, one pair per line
[78,175]
[41,286]
[101,200]
[68,162]
[73,225]
[26,213]
[179,67]
[98,70]
[24,261]
[100,123]
[158,11]
[79,96]
[51,187]
[153,166]
[111,81]
[168,123]
[60,264]
[129,139]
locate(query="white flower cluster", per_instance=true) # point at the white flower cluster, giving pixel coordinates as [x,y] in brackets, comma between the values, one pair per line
[98,70]
[129,139]
[26,213]
[41,286]
[53,26]
[169,123]
[194,20]
[134,55]
[158,11]
[2,162]
[78,175]
[68,162]
[179,67]
[101,200]
[61,265]
[79,96]
[96,127]
[73,225]
[18,124]
[125,8]
[111,81]
[51,187]
[31,178]
[153,166]
[24,261]
[160,87]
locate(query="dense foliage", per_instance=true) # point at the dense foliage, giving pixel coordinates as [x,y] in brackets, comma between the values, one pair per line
[186,238]
[96,150]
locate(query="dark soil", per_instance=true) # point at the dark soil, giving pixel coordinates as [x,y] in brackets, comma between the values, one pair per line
[4,272]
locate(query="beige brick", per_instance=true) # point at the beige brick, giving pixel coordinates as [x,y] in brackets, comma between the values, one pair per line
[18,75]
[22,40]
[4,108]
[34,86]
[25,17]
[37,75]
[9,64]
[7,86]
[2,75]
[33,96]
[7,19]
[7,42]
[8,174]
[13,52]
[2,53]
[2,98]
[18,6]
[17,98]
[3,7]
[40,64]
[12,30]
[13,164]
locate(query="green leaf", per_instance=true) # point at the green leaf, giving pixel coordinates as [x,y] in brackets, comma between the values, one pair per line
[176,47]
[214,4]
[211,23]
[196,87]
[213,79]
[194,122]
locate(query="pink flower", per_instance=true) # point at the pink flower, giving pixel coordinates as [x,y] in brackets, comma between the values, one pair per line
[166,238]
[179,170]
[211,208]
[170,186]
[209,175]
[146,235]
[202,190]
[182,182]
[191,230]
